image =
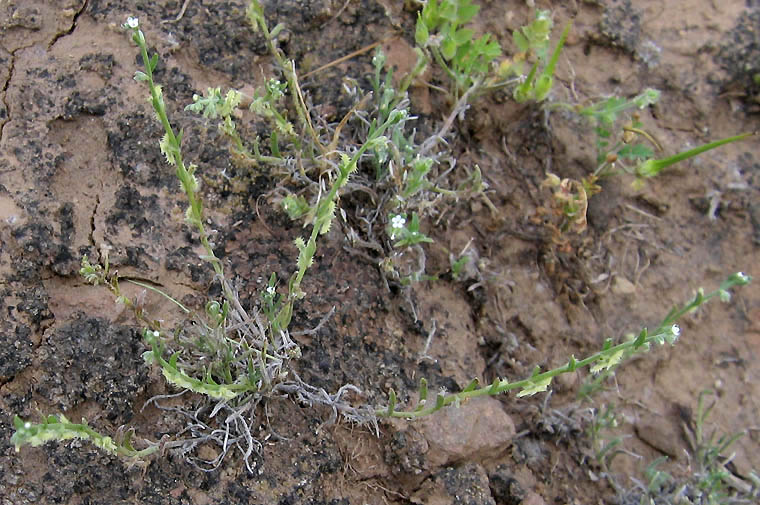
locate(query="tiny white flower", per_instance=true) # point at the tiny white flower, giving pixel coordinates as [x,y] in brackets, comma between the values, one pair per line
[675,331]
[742,276]
[270,290]
[156,334]
[27,425]
[398,221]
[132,22]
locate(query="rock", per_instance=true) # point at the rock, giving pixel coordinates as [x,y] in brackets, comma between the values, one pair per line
[476,429]
[532,498]
[660,433]
[622,286]
[505,488]
[467,484]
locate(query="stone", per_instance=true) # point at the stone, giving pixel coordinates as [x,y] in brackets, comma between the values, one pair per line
[476,429]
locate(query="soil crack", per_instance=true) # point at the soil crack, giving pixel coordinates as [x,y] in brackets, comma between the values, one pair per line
[71,29]
[7,118]
[92,220]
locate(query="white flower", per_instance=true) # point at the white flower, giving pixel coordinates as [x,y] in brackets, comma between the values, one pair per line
[398,222]
[270,290]
[675,331]
[156,334]
[742,276]
[132,23]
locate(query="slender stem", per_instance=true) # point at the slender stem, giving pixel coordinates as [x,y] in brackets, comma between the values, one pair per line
[156,290]
[625,349]
[653,167]
[288,68]
[458,108]
[345,171]
[439,59]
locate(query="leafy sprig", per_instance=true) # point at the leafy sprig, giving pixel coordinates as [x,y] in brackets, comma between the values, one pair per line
[440,29]
[609,356]
[534,38]
[59,428]
[171,146]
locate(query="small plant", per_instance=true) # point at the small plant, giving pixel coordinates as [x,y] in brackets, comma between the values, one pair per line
[533,39]
[605,448]
[623,152]
[605,116]
[623,147]
[466,60]
[712,478]
[234,359]
[470,63]
[708,481]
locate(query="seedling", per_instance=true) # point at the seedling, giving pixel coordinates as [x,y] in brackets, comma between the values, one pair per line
[606,446]
[708,480]
[534,39]
[625,148]
[605,116]
[440,30]
[471,63]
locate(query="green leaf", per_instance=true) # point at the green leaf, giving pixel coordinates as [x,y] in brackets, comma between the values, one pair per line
[523,92]
[430,14]
[462,36]
[636,152]
[472,386]
[422,394]
[467,12]
[648,97]
[284,316]
[295,206]
[448,48]
[421,33]
[448,11]
[167,149]
[274,145]
[607,362]
[276,30]
[543,86]
[650,168]
[305,253]
[535,386]
[572,365]
[520,41]
[325,220]
[391,402]
[153,62]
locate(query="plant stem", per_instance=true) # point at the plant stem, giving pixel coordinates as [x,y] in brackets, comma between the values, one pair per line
[256,17]
[651,168]
[641,343]
[174,143]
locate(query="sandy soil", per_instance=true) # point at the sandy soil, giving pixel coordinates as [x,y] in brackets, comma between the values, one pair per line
[80,167]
